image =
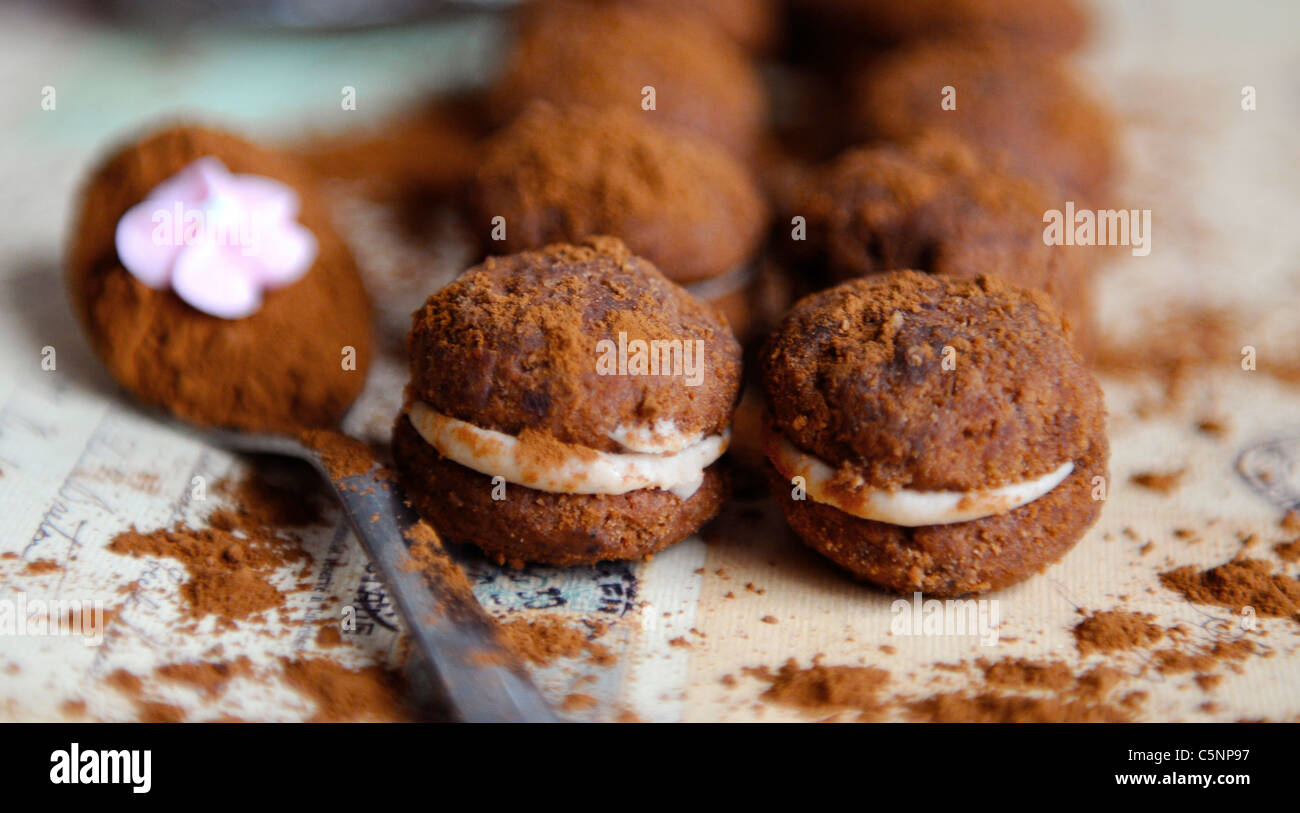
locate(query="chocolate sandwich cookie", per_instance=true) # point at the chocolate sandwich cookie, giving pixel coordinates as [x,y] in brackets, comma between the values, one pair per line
[206,272]
[933,434]
[935,206]
[1018,104]
[677,69]
[562,175]
[567,406]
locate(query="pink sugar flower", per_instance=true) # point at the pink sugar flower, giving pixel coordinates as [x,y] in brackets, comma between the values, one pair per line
[218,240]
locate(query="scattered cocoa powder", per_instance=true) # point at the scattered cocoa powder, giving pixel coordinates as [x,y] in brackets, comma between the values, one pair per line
[209,677]
[1023,674]
[372,693]
[988,707]
[1237,584]
[1288,551]
[1112,630]
[261,507]
[147,711]
[1290,520]
[825,688]
[74,707]
[228,574]
[1206,682]
[41,566]
[1188,340]
[1213,427]
[543,639]
[578,702]
[125,682]
[1163,482]
[1202,659]
[329,636]
[153,711]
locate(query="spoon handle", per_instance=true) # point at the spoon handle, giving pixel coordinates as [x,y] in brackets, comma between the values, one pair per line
[480,678]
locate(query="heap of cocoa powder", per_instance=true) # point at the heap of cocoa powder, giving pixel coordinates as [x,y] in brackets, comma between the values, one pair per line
[340,694]
[1237,584]
[821,687]
[1113,630]
[259,506]
[228,575]
[230,563]
[544,639]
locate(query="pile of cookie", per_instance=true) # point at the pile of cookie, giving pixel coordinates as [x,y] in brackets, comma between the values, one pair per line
[848,195]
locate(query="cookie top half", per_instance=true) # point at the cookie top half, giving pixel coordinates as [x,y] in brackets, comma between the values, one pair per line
[935,205]
[931,383]
[547,341]
[603,54]
[561,175]
[1017,103]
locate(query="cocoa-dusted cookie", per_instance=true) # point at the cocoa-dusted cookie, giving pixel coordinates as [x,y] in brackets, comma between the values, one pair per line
[622,55]
[543,425]
[676,199]
[211,283]
[935,206]
[1045,24]
[1018,104]
[933,434]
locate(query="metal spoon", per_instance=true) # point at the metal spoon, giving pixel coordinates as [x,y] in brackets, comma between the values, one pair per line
[478,678]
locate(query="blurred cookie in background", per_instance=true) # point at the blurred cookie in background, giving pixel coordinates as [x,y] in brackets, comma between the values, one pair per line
[677,70]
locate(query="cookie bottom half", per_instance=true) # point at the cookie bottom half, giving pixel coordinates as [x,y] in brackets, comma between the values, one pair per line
[948,560]
[538,526]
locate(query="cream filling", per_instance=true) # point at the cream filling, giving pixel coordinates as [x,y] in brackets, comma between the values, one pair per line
[905,506]
[660,437]
[567,469]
